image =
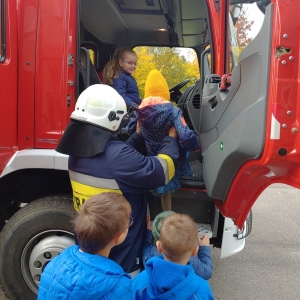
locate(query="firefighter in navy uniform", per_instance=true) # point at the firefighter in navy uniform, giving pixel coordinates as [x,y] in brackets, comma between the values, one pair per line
[100,162]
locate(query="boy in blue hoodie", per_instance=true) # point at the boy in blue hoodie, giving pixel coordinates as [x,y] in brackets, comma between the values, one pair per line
[201,263]
[168,276]
[85,271]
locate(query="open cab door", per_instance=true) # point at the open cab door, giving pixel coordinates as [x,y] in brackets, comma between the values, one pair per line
[250,132]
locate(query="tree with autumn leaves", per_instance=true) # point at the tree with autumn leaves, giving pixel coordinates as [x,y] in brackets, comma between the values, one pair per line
[177,65]
[242,28]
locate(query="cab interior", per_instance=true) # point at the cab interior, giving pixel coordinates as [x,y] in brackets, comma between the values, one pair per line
[217,117]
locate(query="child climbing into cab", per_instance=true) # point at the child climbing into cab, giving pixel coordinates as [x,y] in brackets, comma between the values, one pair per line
[118,74]
[156,115]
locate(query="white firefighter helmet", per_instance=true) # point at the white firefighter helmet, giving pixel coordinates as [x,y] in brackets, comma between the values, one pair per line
[100,105]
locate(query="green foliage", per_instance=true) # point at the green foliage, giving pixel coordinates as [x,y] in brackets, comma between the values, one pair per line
[171,62]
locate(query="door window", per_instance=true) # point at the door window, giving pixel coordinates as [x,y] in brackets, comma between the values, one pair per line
[245,21]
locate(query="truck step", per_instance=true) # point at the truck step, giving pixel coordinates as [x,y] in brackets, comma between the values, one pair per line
[204,229]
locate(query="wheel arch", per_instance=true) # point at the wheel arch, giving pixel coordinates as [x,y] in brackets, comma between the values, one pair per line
[26,185]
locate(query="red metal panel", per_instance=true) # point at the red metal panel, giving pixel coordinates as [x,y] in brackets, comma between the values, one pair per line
[5,156]
[56,39]
[8,79]
[8,90]
[27,27]
[284,106]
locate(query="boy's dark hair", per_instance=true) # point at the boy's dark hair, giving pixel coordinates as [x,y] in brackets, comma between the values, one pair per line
[178,236]
[112,68]
[100,220]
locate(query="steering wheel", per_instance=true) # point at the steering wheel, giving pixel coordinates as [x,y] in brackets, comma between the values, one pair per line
[175,93]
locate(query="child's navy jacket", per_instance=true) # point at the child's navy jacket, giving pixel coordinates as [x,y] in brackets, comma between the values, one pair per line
[156,116]
[126,86]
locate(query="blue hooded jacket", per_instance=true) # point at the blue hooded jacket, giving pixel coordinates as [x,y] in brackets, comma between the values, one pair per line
[202,263]
[74,275]
[163,280]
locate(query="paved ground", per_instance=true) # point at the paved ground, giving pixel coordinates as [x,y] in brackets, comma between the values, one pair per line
[269,266]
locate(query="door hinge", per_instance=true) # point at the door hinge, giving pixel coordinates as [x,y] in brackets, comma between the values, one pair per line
[69,100]
[70,60]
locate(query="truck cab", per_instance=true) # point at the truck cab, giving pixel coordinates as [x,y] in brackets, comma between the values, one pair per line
[53,50]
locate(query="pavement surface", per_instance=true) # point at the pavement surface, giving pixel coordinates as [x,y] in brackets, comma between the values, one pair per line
[269,265]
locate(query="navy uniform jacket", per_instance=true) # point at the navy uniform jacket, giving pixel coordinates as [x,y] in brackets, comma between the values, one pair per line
[122,169]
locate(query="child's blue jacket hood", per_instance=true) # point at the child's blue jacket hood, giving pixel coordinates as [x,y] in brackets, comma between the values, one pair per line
[179,281]
[166,280]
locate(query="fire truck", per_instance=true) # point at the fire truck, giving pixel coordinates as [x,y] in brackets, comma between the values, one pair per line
[248,131]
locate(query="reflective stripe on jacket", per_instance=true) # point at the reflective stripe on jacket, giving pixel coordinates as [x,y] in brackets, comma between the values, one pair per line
[119,169]
[122,169]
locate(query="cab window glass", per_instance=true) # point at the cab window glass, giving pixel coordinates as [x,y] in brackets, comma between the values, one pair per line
[245,21]
[175,64]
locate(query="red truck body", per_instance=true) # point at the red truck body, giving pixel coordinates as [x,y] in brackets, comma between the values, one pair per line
[39,75]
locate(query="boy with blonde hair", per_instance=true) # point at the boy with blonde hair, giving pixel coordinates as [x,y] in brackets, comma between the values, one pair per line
[201,263]
[168,276]
[85,271]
